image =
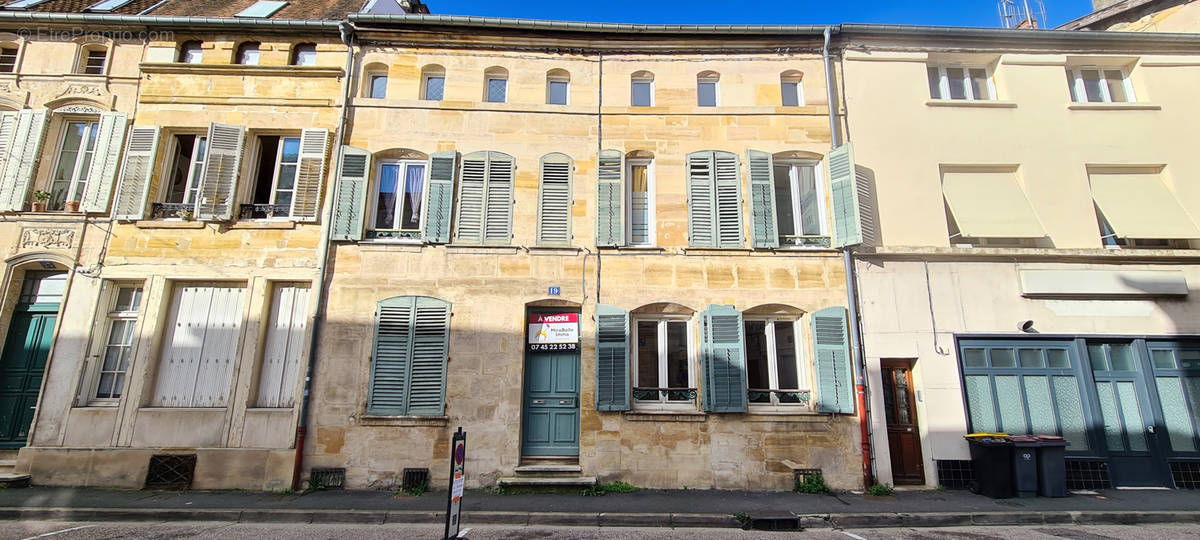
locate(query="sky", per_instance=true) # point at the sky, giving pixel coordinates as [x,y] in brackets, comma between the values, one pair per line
[978,13]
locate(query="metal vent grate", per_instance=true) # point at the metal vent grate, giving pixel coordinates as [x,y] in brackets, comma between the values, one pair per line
[1186,474]
[415,479]
[329,478]
[171,471]
[1087,474]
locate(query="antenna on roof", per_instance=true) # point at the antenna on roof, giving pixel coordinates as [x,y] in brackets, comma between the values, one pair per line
[1020,15]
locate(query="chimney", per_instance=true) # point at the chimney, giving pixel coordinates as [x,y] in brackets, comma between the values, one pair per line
[1098,5]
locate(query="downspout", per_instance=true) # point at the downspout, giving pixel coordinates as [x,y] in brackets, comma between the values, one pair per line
[859,363]
[346,29]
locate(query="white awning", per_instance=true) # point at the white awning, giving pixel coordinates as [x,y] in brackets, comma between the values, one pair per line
[1140,206]
[990,205]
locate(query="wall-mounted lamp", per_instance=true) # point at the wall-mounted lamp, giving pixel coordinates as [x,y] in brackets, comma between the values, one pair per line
[1027,327]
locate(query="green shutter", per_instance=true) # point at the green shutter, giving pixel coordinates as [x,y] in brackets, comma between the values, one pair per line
[472,184]
[439,197]
[408,361]
[554,200]
[610,199]
[612,359]
[765,229]
[134,187]
[723,360]
[430,352]
[847,221]
[17,174]
[728,189]
[835,376]
[350,197]
[106,159]
[498,213]
[702,211]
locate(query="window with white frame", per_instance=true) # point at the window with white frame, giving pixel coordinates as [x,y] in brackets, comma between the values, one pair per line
[278,162]
[496,85]
[960,82]
[641,89]
[433,82]
[1099,85]
[398,195]
[304,54]
[773,373]
[640,225]
[790,86]
[75,152]
[183,177]
[247,53]
[799,199]
[93,60]
[558,82]
[376,86]
[118,345]
[708,89]
[191,52]
[662,352]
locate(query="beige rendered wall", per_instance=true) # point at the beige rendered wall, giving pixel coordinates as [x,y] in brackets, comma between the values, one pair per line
[1183,18]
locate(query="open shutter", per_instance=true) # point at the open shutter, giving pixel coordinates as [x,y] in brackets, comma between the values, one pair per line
[310,174]
[471,185]
[610,199]
[835,384]
[23,153]
[764,228]
[729,200]
[130,202]
[847,220]
[106,159]
[723,360]
[350,199]
[499,207]
[439,197]
[554,201]
[701,201]
[391,357]
[221,165]
[612,359]
[430,350]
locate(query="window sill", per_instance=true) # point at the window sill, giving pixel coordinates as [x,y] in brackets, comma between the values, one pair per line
[394,241]
[771,415]
[404,421]
[240,69]
[152,224]
[1114,107]
[269,410]
[481,248]
[718,251]
[633,249]
[554,250]
[664,416]
[972,103]
[263,225]
[100,405]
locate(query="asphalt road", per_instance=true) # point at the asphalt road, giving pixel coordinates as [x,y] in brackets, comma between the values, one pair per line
[96,531]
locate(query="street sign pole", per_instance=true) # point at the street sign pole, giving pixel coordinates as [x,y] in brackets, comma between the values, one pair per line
[458,458]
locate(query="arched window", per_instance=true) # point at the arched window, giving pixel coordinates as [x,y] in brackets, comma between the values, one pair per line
[496,85]
[707,88]
[641,89]
[558,84]
[247,53]
[93,60]
[791,88]
[190,52]
[400,179]
[375,81]
[433,82]
[304,54]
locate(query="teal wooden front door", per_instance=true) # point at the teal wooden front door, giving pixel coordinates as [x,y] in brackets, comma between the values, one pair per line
[550,419]
[21,368]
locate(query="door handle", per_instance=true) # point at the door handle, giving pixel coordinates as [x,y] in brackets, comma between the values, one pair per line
[908,430]
[1150,429]
[539,402]
[566,401]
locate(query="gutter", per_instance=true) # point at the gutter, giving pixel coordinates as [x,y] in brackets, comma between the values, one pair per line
[566,26]
[151,20]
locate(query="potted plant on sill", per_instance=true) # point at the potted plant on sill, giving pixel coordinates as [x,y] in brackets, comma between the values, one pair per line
[39,201]
[71,206]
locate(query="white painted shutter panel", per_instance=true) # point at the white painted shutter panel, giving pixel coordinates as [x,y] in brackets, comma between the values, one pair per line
[284,344]
[134,187]
[701,201]
[498,216]
[106,159]
[310,174]
[471,185]
[219,179]
[219,350]
[181,348]
[728,188]
[8,126]
[554,201]
[22,157]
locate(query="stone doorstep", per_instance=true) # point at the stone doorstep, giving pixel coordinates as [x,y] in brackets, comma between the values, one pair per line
[10,480]
[8,465]
[546,469]
[549,481]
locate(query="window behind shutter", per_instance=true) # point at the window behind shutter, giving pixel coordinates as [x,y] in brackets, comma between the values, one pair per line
[134,187]
[765,228]
[106,159]
[610,199]
[499,207]
[390,358]
[554,201]
[221,163]
[18,170]
[350,199]
[310,174]
[835,377]
[196,365]
[471,186]
[701,201]
[729,200]
[612,359]
[283,348]
[219,349]
[430,350]
[723,360]
[847,221]
[439,197]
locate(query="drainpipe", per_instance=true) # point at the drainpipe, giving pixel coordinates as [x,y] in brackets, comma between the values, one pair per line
[859,363]
[346,29]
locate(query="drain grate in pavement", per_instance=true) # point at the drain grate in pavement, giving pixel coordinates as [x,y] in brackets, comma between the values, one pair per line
[1074,534]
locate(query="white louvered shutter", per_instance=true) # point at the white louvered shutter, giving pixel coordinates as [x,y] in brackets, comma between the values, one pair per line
[554,200]
[471,186]
[106,160]
[701,201]
[221,164]
[28,132]
[283,348]
[134,187]
[728,188]
[310,174]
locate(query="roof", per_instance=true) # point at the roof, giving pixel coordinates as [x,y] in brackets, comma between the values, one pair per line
[309,10]
[80,6]
[1125,11]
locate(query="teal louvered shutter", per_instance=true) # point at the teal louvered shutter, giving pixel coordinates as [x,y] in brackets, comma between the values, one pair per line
[835,376]
[702,219]
[439,197]
[106,159]
[764,225]
[310,174]
[222,162]
[728,189]
[610,199]
[472,184]
[554,200]
[612,358]
[134,187]
[430,352]
[350,197]
[498,209]
[17,175]
[723,360]
[391,357]
[843,180]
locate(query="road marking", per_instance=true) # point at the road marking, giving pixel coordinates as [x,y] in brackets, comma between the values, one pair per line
[59,532]
[852,535]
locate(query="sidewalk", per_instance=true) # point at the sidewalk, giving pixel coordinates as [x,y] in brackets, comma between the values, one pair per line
[677,508]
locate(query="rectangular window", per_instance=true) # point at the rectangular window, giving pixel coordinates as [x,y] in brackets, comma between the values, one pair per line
[74,160]
[706,91]
[1096,85]
[641,202]
[497,90]
[663,375]
[8,59]
[642,93]
[557,92]
[283,347]
[278,159]
[799,200]
[93,63]
[186,167]
[200,346]
[378,86]
[791,93]
[399,194]
[434,88]
[960,82]
[773,373]
[118,347]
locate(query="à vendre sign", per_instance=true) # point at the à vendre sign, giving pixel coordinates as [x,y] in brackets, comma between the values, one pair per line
[553,332]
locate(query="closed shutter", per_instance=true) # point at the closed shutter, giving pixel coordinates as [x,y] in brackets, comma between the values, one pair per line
[612,359]
[284,344]
[847,220]
[200,350]
[471,186]
[430,350]
[729,200]
[723,360]
[439,197]
[765,227]
[835,378]
[408,365]
[310,174]
[610,199]
[106,159]
[499,212]
[219,179]
[701,201]
[350,199]
[28,131]
[388,392]
[554,201]
[220,348]
[134,187]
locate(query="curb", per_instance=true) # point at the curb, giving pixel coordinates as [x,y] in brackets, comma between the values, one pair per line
[600,519]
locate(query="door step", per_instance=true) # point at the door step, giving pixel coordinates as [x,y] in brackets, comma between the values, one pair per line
[9,480]
[535,470]
[7,465]
[542,481]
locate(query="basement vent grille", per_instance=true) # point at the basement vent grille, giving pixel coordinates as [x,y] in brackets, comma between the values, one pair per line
[329,478]
[415,479]
[171,471]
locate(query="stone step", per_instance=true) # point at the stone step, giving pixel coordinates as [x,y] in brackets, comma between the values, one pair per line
[7,465]
[9,480]
[548,481]
[548,470]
